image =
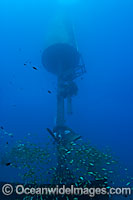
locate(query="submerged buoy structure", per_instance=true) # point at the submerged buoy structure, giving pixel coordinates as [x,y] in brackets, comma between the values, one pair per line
[62,58]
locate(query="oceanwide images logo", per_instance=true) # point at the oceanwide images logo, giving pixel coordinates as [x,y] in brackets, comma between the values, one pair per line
[8,189]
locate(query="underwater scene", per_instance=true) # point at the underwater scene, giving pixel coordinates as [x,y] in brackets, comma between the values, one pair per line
[66,99]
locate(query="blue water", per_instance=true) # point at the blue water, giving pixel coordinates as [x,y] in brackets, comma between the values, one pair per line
[103,109]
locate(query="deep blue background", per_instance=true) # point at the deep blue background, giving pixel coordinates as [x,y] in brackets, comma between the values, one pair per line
[103,109]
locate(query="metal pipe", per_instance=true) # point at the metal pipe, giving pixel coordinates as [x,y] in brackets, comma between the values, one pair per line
[69,105]
[60,105]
